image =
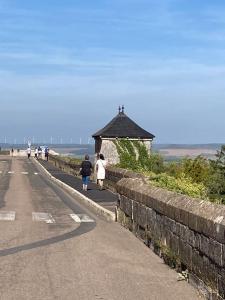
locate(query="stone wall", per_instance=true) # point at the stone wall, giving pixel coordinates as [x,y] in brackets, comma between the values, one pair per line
[108,149]
[115,174]
[70,168]
[189,234]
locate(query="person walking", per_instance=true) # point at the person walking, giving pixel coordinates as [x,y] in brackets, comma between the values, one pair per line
[12,151]
[85,172]
[28,152]
[100,169]
[46,153]
[36,153]
[39,152]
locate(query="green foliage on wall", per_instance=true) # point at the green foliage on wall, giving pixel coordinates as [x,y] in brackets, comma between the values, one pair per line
[134,155]
[198,177]
[182,185]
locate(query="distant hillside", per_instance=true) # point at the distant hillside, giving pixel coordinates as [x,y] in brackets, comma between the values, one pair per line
[178,151]
[187,146]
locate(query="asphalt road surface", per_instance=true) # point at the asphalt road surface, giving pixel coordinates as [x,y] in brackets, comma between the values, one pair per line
[53,247]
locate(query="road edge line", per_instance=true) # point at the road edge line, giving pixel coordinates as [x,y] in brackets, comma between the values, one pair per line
[110,216]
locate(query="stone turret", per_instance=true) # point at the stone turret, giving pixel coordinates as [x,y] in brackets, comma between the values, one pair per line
[120,127]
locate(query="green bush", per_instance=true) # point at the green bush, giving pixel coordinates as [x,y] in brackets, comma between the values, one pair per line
[216,182]
[196,177]
[182,185]
[135,156]
[197,169]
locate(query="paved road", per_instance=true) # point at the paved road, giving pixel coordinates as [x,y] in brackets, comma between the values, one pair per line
[48,254]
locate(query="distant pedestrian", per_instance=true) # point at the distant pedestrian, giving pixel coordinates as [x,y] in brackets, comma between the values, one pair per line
[28,152]
[12,151]
[39,152]
[85,172]
[46,153]
[36,153]
[100,169]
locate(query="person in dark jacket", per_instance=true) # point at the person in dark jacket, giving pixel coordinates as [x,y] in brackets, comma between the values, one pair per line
[46,153]
[85,171]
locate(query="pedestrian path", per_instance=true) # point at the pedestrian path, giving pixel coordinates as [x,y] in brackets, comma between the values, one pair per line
[46,217]
[105,198]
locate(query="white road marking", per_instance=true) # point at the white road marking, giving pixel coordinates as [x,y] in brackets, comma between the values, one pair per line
[43,217]
[35,173]
[11,172]
[7,215]
[81,218]
[25,173]
[75,218]
[3,161]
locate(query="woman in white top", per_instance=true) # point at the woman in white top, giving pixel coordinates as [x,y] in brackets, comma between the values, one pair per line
[100,168]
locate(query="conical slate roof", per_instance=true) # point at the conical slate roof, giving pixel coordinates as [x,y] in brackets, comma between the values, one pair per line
[122,127]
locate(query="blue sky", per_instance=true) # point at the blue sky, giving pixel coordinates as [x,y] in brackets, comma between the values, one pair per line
[65,66]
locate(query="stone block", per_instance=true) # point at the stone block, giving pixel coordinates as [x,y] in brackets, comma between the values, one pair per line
[185,252]
[140,214]
[174,244]
[193,221]
[215,252]
[135,211]
[126,205]
[223,255]
[178,229]
[151,218]
[219,231]
[138,195]
[157,228]
[197,241]
[190,237]
[209,273]
[148,201]
[183,233]
[221,284]
[165,237]
[197,263]
[204,245]
[170,224]
[173,208]
[141,233]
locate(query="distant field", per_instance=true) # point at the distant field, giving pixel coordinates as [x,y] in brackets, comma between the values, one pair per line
[187,152]
[178,151]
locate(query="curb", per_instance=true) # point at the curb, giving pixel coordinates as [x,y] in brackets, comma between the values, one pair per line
[110,216]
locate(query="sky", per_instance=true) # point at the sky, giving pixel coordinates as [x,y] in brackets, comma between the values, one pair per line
[66,66]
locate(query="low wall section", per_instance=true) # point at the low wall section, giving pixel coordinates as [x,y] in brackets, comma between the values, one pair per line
[70,168]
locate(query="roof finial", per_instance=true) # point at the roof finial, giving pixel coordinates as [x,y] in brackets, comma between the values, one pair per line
[119,109]
[122,109]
